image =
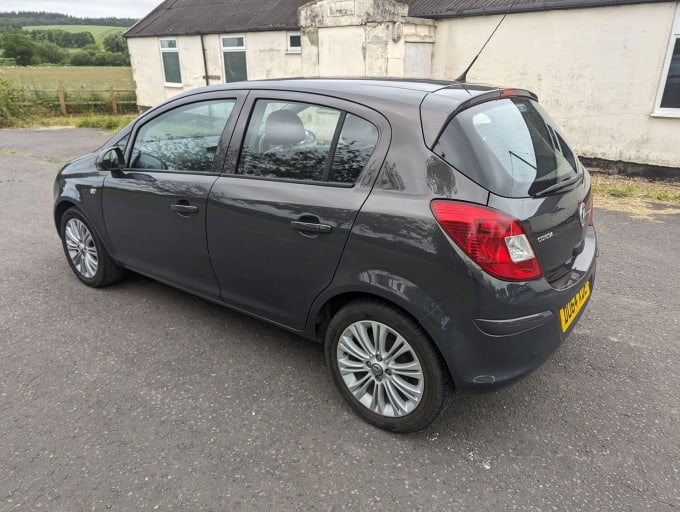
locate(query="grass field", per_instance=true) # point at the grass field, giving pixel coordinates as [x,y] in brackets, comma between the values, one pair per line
[99,32]
[69,77]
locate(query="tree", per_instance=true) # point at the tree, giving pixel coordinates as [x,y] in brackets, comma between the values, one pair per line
[8,29]
[115,43]
[20,48]
[81,39]
[51,53]
[81,58]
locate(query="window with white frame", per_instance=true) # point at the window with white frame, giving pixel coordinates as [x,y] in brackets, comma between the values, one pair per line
[234,57]
[170,57]
[668,97]
[294,42]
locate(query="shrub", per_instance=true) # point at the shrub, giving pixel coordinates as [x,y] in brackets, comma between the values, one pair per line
[81,58]
[50,53]
[11,98]
[105,122]
[20,48]
[115,43]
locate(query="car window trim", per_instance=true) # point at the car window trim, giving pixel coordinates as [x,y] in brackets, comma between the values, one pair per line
[319,183]
[334,147]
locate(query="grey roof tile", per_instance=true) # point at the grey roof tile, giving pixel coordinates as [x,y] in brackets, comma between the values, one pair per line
[183,17]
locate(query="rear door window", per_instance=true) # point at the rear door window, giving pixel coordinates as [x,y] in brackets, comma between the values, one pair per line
[306,142]
[509,146]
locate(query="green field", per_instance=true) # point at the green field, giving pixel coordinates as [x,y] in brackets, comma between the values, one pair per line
[99,32]
[69,77]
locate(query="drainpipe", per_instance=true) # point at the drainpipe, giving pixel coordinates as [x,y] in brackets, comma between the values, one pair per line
[205,62]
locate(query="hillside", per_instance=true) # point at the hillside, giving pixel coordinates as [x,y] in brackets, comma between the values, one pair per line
[98,31]
[31,18]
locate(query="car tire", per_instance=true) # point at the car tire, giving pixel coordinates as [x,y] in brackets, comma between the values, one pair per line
[85,252]
[399,394]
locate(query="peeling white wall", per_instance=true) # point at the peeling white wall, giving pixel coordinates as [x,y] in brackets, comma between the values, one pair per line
[357,37]
[596,71]
[348,62]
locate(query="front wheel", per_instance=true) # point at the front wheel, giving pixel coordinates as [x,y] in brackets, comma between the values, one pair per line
[386,367]
[85,253]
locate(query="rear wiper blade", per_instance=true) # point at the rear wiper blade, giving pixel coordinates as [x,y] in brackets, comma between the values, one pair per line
[566,183]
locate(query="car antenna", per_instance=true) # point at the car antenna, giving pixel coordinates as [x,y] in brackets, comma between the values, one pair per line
[463,75]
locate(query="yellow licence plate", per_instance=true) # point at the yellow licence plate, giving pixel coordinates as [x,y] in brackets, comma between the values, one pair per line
[570,311]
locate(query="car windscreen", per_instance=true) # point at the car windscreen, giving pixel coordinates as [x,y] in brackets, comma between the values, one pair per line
[509,146]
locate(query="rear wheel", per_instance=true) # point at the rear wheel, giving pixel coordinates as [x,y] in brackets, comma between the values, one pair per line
[386,367]
[85,253]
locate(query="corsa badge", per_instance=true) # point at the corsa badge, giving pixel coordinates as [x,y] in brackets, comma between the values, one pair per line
[546,236]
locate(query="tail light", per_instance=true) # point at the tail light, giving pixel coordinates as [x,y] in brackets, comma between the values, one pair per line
[494,241]
[591,215]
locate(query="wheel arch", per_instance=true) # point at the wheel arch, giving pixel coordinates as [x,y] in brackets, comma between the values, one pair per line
[60,209]
[329,306]
[65,204]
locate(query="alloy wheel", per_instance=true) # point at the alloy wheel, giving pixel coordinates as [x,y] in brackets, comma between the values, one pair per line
[81,248]
[380,368]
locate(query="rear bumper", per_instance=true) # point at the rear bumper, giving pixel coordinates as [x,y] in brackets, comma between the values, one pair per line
[516,327]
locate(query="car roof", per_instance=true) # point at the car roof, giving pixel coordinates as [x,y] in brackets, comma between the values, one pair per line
[365,90]
[433,101]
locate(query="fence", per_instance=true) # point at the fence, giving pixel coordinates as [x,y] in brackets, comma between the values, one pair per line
[81,101]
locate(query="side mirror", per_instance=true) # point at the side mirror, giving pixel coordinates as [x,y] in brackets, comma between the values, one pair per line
[111,159]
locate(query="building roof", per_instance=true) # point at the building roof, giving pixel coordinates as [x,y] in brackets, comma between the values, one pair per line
[461,8]
[186,17]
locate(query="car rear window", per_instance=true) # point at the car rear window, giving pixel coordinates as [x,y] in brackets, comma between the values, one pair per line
[509,146]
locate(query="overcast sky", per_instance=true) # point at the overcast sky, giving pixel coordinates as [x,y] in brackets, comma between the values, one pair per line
[84,8]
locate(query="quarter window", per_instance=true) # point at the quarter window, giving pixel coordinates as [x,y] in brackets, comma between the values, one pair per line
[668,97]
[355,146]
[306,142]
[234,56]
[170,58]
[183,139]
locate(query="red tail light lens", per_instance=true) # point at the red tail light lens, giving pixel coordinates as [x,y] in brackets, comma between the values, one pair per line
[494,241]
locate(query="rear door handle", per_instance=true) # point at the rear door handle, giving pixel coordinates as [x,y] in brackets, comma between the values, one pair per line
[184,208]
[310,227]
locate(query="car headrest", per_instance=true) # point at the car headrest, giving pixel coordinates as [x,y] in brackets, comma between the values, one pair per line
[283,128]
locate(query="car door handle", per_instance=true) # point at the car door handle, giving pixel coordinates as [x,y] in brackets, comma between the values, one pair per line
[184,208]
[310,227]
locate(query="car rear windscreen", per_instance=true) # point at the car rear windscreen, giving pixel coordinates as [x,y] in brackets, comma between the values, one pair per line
[509,146]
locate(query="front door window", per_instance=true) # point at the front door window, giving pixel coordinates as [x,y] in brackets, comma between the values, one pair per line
[183,139]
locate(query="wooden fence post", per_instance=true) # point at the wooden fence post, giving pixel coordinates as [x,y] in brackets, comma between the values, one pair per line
[112,95]
[62,101]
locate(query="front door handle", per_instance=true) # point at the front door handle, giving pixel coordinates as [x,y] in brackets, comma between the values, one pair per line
[183,209]
[310,227]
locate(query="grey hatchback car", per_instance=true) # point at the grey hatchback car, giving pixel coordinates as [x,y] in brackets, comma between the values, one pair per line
[435,236]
